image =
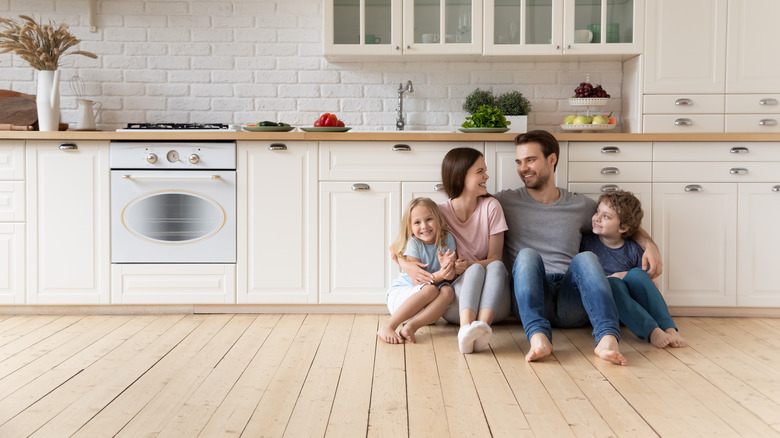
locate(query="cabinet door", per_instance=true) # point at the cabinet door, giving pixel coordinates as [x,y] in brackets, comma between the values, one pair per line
[695,228]
[643,192]
[515,27]
[442,27]
[681,57]
[603,26]
[753,65]
[277,222]
[759,240]
[411,190]
[362,27]
[68,222]
[11,263]
[358,221]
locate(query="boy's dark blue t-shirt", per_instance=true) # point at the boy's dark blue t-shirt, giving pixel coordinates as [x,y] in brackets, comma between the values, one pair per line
[621,259]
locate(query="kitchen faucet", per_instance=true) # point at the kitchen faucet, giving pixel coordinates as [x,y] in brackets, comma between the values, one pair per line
[399,122]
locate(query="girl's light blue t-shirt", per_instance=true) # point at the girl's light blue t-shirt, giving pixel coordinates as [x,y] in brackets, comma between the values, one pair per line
[426,254]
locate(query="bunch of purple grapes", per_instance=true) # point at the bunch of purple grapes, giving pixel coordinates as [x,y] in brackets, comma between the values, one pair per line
[587,90]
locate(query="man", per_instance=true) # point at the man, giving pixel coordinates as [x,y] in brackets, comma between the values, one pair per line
[553,284]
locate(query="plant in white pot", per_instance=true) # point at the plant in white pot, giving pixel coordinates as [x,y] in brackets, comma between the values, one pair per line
[515,108]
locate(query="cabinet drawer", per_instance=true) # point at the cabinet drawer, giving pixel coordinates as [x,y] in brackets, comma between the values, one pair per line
[716,172]
[752,103]
[11,160]
[385,161]
[610,151]
[734,152]
[753,123]
[684,123]
[11,201]
[607,172]
[173,284]
[684,104]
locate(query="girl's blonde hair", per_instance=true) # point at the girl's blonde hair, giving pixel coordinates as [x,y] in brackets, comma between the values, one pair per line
[405,233]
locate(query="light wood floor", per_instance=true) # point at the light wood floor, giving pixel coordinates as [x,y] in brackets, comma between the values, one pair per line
[313,375]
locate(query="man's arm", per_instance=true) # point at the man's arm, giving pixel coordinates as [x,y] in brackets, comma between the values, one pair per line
[651,259]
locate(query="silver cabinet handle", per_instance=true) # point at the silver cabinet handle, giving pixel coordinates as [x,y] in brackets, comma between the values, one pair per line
[739,150]
[277,147]
[776,189]
[694,188]
[408,46]
[683,101]
[610,150]
[738,171]
[610,171]
[175,176]
[767,122]
[568,46]
[397,48]
[438,187]
[610,188]
[402,148]
[360,186]
[68,146]
[683,122]
[768,101]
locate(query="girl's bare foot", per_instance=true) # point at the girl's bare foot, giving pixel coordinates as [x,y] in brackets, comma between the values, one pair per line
[609,350]
[387,334]
[677,340]
[660,338]
[408,333]
[541,347]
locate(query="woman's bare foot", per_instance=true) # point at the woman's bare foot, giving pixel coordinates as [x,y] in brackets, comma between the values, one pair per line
[660,338]
[408,333]
[677,340]
[387,334]
[609,350]
[541,347]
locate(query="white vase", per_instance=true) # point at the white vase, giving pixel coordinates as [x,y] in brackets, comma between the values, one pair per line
[519,124]
[48,100]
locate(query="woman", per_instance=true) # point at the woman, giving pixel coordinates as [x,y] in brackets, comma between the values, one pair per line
[476,220]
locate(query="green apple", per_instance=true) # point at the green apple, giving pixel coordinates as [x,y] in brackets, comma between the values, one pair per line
[569,119]
[582,120]
[600,120]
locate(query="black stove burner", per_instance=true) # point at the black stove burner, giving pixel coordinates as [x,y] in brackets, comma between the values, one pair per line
[177,126]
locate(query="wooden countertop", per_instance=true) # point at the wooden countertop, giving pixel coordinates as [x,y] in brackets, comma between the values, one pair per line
[371,136]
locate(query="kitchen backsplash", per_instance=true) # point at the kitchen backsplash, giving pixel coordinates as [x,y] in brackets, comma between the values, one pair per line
[242,62]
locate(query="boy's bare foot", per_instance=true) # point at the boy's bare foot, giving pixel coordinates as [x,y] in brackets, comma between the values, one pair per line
[677,340]
[609,350]
[541,347]
[387,334]
[660,338]
[408,333]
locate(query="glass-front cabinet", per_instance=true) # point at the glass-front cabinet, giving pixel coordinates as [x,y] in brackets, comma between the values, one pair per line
[554,27]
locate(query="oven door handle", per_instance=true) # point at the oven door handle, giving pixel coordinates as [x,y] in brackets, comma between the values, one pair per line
[177,177]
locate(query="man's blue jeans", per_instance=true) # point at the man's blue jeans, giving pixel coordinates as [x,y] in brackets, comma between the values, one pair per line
[567,300]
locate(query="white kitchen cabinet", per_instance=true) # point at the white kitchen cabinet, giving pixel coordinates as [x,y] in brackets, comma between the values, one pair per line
[753,33]
[758,237]
[68,257]
[555,27]
[359,28]
[411,190]
[168,283]
[277,222]
[12,222]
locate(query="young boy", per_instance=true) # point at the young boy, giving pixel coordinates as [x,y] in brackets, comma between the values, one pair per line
[639,302]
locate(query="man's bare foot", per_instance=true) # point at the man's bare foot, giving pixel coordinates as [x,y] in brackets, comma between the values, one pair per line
[408,333]
[609,350]
[677,340]
[541,347]
[660,338]
[387,334]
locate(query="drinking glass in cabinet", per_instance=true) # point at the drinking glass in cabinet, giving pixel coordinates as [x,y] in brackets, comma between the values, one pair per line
[619,15]
[347,16]
[457,21]
[528,22]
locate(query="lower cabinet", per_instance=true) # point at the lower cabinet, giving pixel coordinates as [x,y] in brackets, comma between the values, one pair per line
[173,283]
[758,240]
[12,222]
[11,263]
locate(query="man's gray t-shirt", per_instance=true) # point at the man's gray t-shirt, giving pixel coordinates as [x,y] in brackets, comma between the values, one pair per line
[554,230]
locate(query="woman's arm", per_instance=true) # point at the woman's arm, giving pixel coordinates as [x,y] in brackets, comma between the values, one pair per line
[495,250]
[651,259]
[414,269]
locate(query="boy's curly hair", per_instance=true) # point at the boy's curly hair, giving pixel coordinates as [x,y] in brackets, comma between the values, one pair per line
[628,209]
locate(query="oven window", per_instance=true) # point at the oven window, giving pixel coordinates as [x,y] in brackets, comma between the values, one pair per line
[174,217]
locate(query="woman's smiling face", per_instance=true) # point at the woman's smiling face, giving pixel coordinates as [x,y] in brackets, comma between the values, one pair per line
[475,183]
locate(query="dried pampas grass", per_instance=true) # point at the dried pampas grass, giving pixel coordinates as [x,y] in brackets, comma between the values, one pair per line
[41,46]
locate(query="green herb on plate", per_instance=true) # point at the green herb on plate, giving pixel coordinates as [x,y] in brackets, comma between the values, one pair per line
[486,117]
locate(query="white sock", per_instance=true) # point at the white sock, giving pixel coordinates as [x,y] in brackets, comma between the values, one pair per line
[481,343]
[468,334]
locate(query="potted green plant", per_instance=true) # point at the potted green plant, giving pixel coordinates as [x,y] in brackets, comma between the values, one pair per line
[477,98]
[515,108]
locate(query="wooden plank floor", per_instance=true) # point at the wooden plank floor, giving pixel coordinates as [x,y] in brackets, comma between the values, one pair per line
[314,375]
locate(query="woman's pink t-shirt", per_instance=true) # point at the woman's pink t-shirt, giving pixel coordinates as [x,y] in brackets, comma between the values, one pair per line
[473,236]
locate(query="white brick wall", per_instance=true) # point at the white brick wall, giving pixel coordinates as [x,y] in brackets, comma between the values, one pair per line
[245,61]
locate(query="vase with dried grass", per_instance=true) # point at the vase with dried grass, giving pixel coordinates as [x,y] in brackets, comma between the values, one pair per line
[41,46]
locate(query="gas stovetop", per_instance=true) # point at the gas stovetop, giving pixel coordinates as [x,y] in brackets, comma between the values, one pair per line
[208,127]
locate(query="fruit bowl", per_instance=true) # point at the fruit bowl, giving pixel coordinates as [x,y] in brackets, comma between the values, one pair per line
[588,101]
[591,127]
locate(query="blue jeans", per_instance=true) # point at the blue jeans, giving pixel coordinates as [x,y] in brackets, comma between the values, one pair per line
[567,300]
[640,305]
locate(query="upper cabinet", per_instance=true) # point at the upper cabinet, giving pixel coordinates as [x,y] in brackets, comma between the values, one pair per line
[554,27]
[408,27]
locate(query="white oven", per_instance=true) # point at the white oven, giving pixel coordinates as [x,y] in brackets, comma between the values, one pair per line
[173,202]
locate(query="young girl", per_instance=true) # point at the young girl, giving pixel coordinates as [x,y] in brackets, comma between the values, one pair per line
[639,302]
[422,239]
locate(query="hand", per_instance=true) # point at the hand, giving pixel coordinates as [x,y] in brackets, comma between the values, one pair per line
[461,265]
[618,274]
[446,258]
[448,273]
[651,261]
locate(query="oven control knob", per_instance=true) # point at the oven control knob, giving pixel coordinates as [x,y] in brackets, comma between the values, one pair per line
[194,158]
[151,158]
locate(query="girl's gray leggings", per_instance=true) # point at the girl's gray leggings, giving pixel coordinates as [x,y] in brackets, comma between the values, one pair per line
[478,288]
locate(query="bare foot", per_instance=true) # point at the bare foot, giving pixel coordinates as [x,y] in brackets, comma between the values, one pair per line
[387,334]
[541,347]
[408,333]
[677,340]
[660,338]
[609,350]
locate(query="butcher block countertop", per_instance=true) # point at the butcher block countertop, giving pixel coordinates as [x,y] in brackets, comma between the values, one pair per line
[371,136]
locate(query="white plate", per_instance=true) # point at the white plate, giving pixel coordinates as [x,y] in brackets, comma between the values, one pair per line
[603,127]
[588,101]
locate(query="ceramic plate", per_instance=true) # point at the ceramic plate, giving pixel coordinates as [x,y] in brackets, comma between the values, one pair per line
[588,101]
[483,130]
[325,128]
[269,128]
[588,127]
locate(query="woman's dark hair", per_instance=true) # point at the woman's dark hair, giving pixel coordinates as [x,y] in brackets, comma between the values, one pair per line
[546,140]
[454,167]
